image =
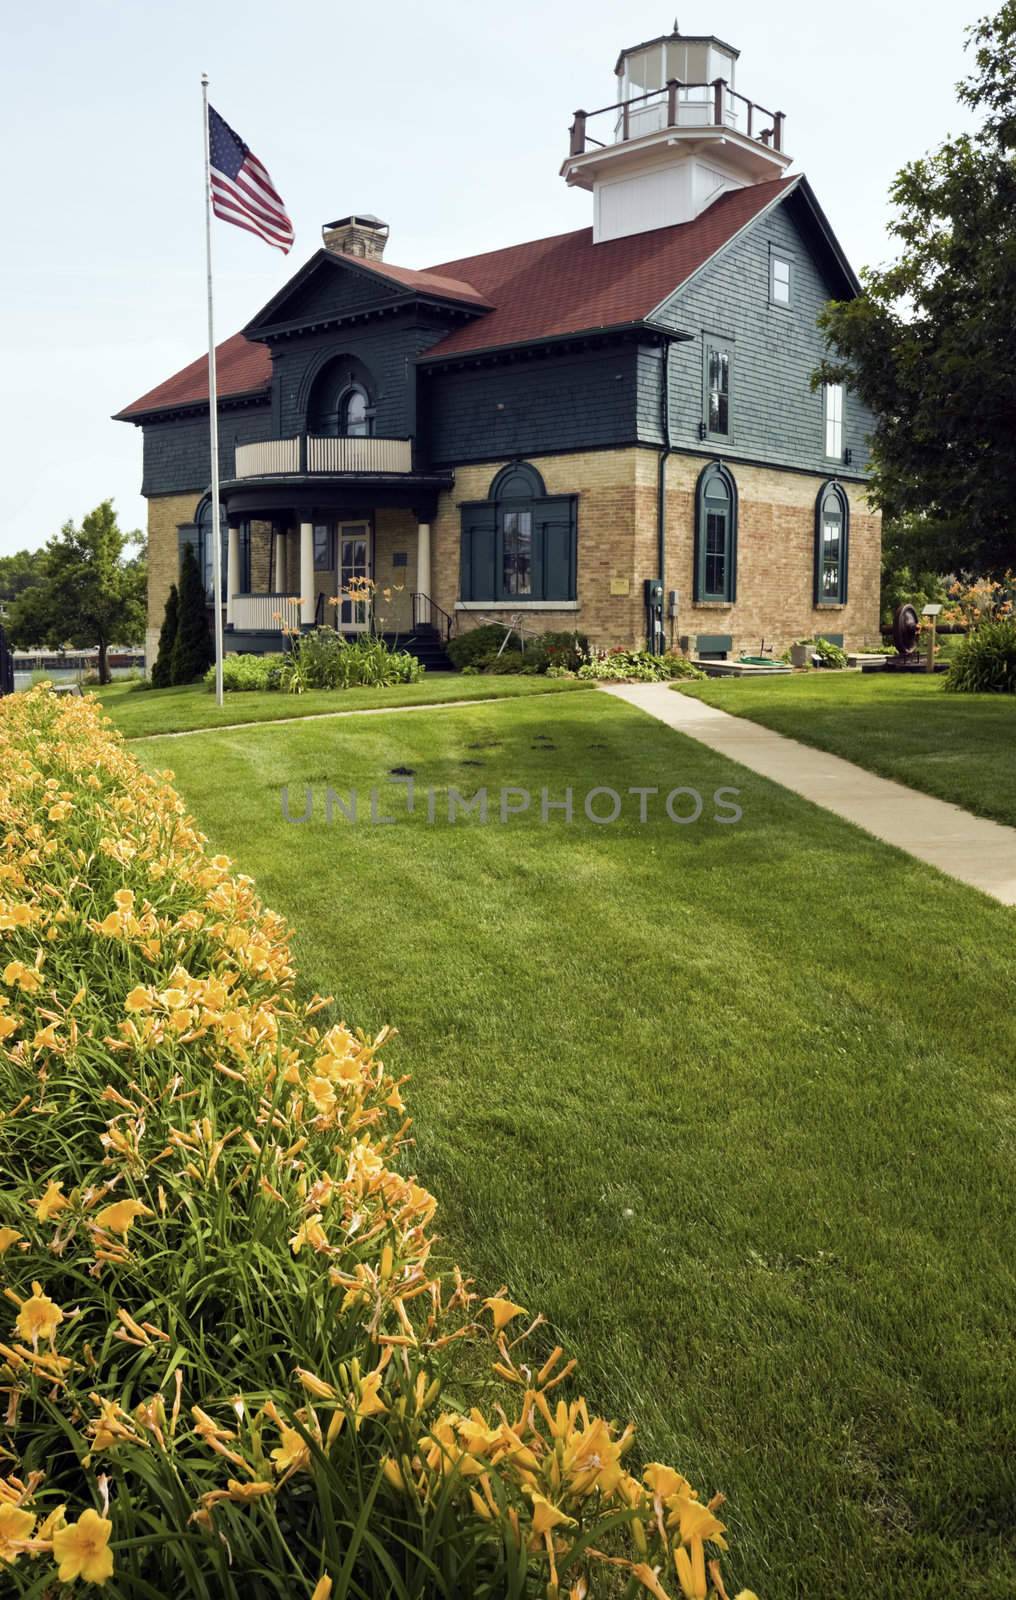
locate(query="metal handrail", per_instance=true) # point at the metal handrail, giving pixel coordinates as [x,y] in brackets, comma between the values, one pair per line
[424,609]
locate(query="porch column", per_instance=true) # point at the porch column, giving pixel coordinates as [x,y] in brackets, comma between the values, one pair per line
[232,570]
[423,558]
[280,561]
[307,572]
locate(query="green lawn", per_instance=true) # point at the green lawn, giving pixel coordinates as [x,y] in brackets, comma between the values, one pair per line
[709,1095]
[138,711]
[958,747]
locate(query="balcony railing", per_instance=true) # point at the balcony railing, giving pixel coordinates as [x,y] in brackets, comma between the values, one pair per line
[305,453]
[678,105]
[266,613]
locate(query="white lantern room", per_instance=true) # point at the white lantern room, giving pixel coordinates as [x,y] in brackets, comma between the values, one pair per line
[678,135]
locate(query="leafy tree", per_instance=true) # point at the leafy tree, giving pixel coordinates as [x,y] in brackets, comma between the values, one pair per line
[929,344]
[193,652]
[86,593]
[18,572]
[162,671]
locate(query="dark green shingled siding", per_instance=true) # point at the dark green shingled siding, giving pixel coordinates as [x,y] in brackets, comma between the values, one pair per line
[535,407]
[176,453]
[776,416]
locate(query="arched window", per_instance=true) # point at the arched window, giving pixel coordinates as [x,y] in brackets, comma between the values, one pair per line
[354,413]
[832,536]
[716,535]
[339,404]
[519,545]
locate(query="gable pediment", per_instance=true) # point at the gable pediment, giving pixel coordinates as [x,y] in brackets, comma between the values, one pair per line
[325,289]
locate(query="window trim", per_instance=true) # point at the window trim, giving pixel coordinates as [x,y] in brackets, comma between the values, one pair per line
[331,550]
[349,393]
[831,488]
[710,342]
[787,260]
[516,488]
[700,594]
[827,390]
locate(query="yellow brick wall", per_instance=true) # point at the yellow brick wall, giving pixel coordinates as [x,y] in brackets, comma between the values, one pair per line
[394,530]
[617,542]
[165,514]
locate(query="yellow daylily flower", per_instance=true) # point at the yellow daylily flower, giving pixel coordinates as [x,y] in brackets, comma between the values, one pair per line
[309,1232]
[119,1217]
[8,1236]
[323,1588]
[15,1527]
[139,999]
[691,1571]
[369,1402]
[39,1317]
[546,1515]
[293,1452]
[82,1549]
[320,1091]
[503,1310]
[52,1201]
[649,1580]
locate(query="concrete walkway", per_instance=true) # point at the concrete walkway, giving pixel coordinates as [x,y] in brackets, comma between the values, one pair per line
[972,849]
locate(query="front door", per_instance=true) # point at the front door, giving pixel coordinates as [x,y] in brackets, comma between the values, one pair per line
[354,563]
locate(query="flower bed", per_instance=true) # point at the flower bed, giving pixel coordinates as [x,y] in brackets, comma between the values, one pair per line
[230,1366]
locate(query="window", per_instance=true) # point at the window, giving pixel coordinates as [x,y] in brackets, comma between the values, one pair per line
[339,404]
[197,535]
[520,544]
[324,548]
[354,414]
[716,535]
[517,553]
[834,421]
[779,283]
[718,374]
[832,526]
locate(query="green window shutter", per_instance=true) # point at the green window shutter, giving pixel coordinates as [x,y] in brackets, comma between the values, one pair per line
[554,553]
[476,562]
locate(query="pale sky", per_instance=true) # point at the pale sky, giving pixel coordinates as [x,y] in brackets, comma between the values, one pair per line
[448,120]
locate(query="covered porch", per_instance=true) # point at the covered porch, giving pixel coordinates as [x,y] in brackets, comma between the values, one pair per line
[307,518]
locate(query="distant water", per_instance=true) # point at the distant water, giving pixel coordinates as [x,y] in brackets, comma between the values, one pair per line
[23,680]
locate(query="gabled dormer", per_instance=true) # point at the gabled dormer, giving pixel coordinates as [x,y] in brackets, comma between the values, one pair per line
[345,331]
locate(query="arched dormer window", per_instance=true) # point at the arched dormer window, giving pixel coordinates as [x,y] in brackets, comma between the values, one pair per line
[340,403]
[715,576]
[519,545]
[832,538]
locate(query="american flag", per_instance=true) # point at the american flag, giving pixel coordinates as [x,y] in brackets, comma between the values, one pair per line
[242,191]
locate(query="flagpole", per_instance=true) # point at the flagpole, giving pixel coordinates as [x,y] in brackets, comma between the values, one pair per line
[213,408]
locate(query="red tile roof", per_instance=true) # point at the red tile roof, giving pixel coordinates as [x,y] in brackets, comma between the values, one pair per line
[543,289]
[241,367]
[569,285]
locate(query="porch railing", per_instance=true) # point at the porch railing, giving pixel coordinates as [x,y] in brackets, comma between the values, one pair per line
[309,454]
[678,105]
[265,613]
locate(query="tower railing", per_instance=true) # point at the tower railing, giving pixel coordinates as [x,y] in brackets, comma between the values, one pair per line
[679,105]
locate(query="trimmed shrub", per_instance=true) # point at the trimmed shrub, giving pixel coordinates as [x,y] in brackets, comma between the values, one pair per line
[248,672]
[985,661]
[162,671]
[193,651]
[638,666]
[468,649]
[507,662]
[231,1364]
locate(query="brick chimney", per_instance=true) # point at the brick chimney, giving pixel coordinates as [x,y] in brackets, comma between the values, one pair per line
[361,235]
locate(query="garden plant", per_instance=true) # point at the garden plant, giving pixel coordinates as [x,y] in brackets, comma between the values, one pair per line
[231,1362]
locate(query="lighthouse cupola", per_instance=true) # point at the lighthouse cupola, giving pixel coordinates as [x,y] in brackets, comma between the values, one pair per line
[677,135]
